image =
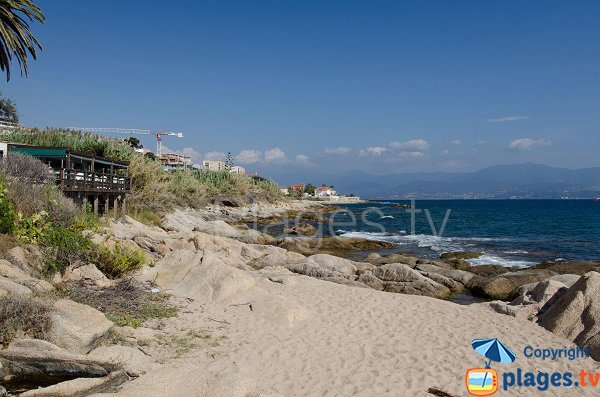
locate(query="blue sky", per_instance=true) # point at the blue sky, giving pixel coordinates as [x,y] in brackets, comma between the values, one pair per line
[328,87]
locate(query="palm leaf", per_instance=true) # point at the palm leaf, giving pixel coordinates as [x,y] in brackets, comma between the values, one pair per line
[16,39]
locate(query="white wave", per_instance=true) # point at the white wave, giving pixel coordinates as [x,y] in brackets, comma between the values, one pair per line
[516,252]
[497,260]
[387,217]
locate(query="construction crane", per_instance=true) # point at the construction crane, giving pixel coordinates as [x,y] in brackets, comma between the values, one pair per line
[132,131]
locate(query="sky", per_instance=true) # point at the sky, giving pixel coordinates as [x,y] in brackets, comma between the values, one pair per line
[327,87]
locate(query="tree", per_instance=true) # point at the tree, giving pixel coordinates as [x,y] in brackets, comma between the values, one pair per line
[309,188]
[8,110]
[16,39]
[134,142]
[228,161]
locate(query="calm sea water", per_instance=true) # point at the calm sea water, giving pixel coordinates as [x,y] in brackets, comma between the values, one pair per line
[509,232]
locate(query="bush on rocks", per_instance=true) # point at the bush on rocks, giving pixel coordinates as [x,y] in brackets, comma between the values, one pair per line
[23,314]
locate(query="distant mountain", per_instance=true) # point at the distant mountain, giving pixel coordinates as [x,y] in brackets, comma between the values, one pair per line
[499,181]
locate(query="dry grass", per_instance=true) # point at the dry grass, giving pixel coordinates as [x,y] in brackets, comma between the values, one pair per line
[128,303]
[23,315]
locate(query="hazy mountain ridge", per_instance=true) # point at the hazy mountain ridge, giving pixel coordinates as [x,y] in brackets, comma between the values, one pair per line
[500,181]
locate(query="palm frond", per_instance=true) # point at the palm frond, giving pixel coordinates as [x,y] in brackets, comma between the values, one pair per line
[16,39]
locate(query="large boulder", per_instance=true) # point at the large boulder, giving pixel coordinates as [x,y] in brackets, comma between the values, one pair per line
[379,260]
[339,246]
[335,264]
[130,359]
[371,281]
[460,276]
[8,286]
[576,314]
[308,267]
[578,268]
[17,275]
[88,274]
[487,270]
[503,286]
[76,327]
[537,292]
[401,278]
[302,229]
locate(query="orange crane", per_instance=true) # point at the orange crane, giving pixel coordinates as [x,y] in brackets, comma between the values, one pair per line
[132,131]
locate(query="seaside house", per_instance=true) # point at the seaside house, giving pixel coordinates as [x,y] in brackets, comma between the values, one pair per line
[174,161]
[236,169]
[298,187]
[325,191]
[83,177]
[213,165]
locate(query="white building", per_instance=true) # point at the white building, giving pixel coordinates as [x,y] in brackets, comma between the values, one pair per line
[236,169]
[325,191]
[213,165]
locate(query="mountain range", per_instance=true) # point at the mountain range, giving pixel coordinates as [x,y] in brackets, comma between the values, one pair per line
[495,182]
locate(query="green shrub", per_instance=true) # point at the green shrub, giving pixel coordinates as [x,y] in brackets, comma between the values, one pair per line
[7,213]
[32,229]
[147,217]
[64,247]
[23,315]
[119,260]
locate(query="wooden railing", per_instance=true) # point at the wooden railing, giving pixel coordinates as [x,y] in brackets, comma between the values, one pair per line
[85,181]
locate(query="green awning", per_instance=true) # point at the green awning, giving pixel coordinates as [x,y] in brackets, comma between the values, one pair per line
[40,152]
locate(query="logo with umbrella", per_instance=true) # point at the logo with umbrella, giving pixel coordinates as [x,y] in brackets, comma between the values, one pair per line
[484,381]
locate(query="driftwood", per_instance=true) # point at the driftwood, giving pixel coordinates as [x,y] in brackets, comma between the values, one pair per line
[439,393]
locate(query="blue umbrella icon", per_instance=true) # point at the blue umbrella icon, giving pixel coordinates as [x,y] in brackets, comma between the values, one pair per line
[493,350]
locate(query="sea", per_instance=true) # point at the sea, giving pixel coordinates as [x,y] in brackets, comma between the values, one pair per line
[515,233]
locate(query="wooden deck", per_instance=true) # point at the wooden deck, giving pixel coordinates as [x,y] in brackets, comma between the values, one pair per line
[92,182]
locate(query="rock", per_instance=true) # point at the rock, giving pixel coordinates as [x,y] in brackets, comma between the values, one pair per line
[17,275]
[576,314]
[460,255]
[76,327]
[578,268]
[441,264]
[344,281]
[461,276]
[371,281]
[339,246]
[363,267]
[567,279]
[487,270]
[88,274]
[458,264]
[528,312]
[310,268]
[3,392]
[334,263]
[400,278]
[276,257]
[30,358]
[302,229]
[9,286]
[80,387]
[503,286]
[537,292]
[392,258]
[199,275]
[130,359]
[419,287]
[451,284]
[18,257]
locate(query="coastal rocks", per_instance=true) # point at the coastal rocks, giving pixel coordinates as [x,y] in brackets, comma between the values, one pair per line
[339,246]
[460,276]
[576,314]
[75,326]
[88,274]
[9,286]
[379,260]
[400,278]
[501,287]
[578,268]
[80,387]
[537,292]
[310,268]
[335,264]
[487,270]
[197,275]
[371,281]
[28,359]
[460,255]
[13,273]
[302,229]
[131,360]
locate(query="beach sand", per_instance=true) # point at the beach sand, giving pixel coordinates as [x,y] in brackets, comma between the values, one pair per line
[307,337]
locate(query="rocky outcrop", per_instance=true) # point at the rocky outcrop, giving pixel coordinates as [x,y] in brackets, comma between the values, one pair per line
[301,229]
[379,260]
[15,274]
[460,255]
[88,274]
[578,268]
[576,314]
[339,246]
[487,270]
[76,327]
[503,286]
[401,278]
